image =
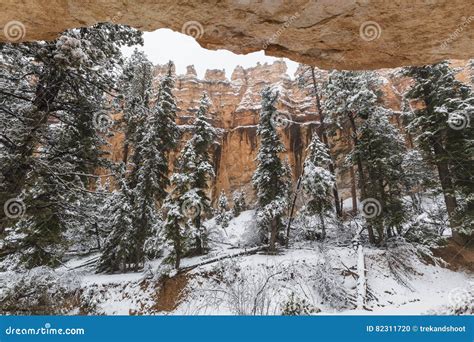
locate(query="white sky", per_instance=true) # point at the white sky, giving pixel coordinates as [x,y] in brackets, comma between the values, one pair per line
[163,45]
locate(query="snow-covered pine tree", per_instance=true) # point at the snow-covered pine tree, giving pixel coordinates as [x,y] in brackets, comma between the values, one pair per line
[175,231]
[52,139]
[311,80]
[418,176]
[202,172]
[238,198]
[118,252]
[318,181]
[222,212]
[154,137]
[442,131]
[135,89]
[272,177]
[187,202]
[381,149]
[349,97]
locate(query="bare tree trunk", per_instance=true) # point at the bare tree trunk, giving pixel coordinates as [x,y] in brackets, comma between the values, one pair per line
[292,210]
[353,190]
[361,279]
[273,235]
[446,185]
[360,170]
[323,226]
[125,153]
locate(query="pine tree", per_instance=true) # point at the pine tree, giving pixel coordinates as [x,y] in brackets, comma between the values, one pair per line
[175,230]
[312,81]
[187,202]
[156,135]
[382,149]
[135,97]
[53,144]
[442,132]
[349,98]
[203,171]
[118,253]
[222,216]
[318,181]
[238,198]
[272,177]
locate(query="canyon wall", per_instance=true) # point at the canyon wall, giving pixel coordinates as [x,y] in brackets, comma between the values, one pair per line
[235,110]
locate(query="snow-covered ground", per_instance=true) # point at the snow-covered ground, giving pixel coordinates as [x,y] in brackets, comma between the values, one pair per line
[237,278]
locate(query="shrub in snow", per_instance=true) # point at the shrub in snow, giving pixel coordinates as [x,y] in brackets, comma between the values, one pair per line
[222,214]
[249,290]
[329,286]
[238,198]
[296,306]
[41,291]
[401,256]
[461,302]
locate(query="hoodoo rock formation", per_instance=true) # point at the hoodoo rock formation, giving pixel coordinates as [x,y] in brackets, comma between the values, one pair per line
[235,110]
[342,34]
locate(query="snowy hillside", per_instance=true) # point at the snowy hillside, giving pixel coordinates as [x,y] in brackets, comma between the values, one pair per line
[238,279]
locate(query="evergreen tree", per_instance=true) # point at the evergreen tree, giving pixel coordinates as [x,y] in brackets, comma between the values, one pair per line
[55,95]
[382,150]
[272,177]
[222,216]
[202,172]
[418,176]
[349,98]
[238,198]
[156,135]
[187,202]
[442,131]
[175,230]
[312,81]
[119,247]
[135,97]
[318,181]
